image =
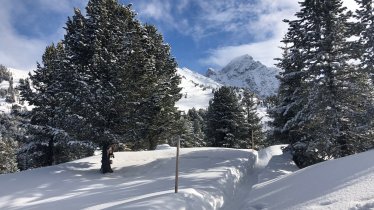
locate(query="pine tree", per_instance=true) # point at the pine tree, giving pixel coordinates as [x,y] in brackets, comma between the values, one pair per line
[226,126]
[256,135]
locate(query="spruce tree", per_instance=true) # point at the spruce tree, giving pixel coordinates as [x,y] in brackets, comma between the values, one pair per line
[335,97]
[226,126]
[47,143]
[255,133]
[124,80]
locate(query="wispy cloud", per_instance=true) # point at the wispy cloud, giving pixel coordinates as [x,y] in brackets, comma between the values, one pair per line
[263,51]
[267,30]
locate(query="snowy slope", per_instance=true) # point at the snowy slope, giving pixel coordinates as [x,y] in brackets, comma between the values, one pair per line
[196,90]
[142,180]
[346,183]
[243,71]
[17,75]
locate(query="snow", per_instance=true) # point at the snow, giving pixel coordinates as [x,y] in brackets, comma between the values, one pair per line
[142,180]
[345,183]
[209,178]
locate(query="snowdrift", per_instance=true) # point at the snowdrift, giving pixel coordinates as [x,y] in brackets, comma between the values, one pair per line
[346,183]
[142,180]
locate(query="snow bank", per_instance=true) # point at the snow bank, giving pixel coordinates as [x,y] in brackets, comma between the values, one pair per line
[346,183]
[164,146]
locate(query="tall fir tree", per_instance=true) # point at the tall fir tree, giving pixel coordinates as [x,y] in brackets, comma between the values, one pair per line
[254,126]
[226,125]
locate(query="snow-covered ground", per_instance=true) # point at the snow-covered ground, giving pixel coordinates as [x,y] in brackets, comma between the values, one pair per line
[210,178]
[142,180]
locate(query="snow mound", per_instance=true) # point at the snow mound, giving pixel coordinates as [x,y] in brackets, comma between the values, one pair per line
[345,183]
[264,155]
[164,147]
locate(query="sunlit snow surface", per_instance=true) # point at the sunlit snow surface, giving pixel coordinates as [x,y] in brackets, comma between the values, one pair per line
[142,180]
[210,178]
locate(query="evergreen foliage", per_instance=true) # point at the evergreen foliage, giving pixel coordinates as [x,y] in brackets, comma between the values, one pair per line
[46,143]
[225,121]
[110,80]
[193,125]
[8,145]
[253,122]
[365,15]
[325,101]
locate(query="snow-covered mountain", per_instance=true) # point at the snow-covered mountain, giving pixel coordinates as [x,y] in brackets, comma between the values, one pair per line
[196,91]
[243,71]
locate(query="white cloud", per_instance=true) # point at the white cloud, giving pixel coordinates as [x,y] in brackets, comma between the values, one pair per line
[265,52]
[267,29]
[21,52]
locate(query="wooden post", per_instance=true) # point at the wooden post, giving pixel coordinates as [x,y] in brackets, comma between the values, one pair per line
[177,166]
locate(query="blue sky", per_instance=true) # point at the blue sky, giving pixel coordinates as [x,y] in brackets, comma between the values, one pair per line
[202,33]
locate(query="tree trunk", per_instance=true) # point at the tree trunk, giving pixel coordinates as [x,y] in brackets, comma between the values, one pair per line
[105,160]
[50,154]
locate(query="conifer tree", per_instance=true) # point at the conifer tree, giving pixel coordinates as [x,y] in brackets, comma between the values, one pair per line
[335,96]
[255,133]
[124,80]
[46,142]
[226,126]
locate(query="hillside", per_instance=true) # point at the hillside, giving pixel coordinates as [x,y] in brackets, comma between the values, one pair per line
[5,107]
[196,91]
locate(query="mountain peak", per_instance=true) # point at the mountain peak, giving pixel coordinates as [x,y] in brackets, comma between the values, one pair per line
[241,64]
[244,71]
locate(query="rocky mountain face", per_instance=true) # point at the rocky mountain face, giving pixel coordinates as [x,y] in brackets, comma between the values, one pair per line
[245,72]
